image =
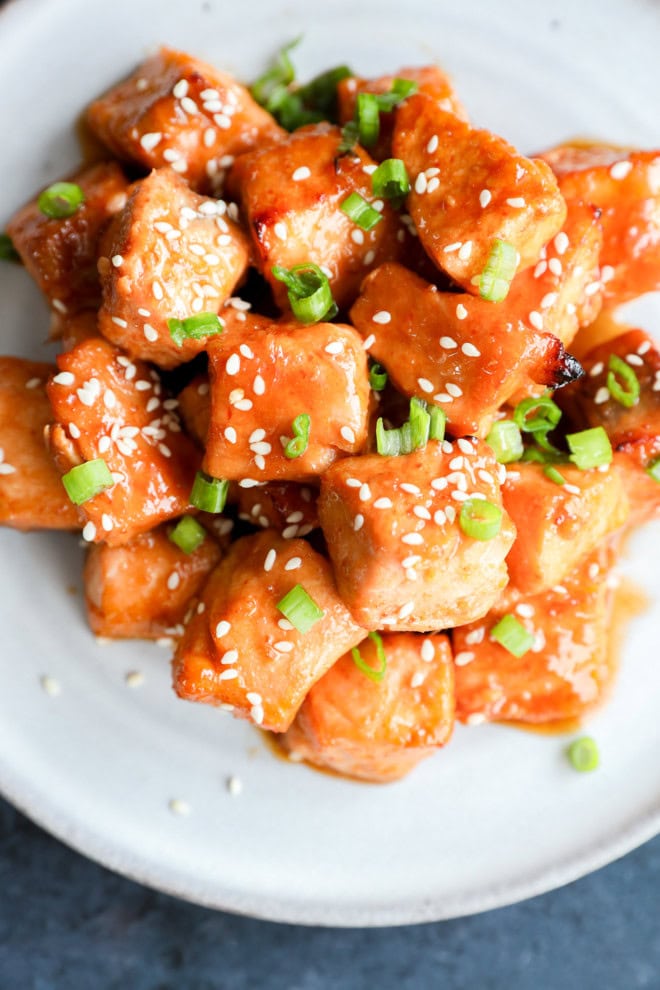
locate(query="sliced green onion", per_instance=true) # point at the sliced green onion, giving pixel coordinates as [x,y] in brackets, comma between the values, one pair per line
[87,480]
[377,377]
[424,423]
[298,445]
[350,133]
[388,442]
[280,74]
[653,469]
[401,90]
[194,327]
[320,93]
[420,423]
[308,289]
[360,212]
[539,456]
[368,119]
[62,199]
[209,494]
[375,673]
[506,440]
[300,609]
[438,422]
[553,474]
[7,250]
[288,109]
[590,448]
[538,414]
[188,534]
[583,754]
[627,394]
[390,180]
[512,635]
[480,519]
[495,280]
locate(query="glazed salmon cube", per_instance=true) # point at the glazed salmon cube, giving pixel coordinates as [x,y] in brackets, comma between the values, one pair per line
[266,375]
[143,590]
[176,110]
[291,195]
[392,524]
[240,652]
[470,188]
[379,731]
[430,80]
[457,351]
[563,674]
[107,406]
[287,507]
[195,408]
[563,291]
[625,186]
[31,492]
[170,254]
[558,525]
[61,253]
[634,430]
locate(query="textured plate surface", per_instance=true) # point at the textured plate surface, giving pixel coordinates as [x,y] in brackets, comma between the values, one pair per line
[498,816]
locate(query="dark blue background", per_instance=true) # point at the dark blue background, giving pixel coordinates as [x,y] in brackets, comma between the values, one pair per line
[68,924]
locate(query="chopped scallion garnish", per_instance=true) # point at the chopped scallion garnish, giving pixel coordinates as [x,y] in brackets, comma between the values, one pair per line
[209,494]
[590,448]
[84,481]
[280,74]
[553,474]
[653,469]
[194,327]
[368,119]
[419,421]
[60,200]
[377,377]
[360,212]
[506,440]
[512,635]
[626,394]
[288,109]
[538,415]
[298,445]
[583,754]
[375,673]
[495,280]
[480,519]
[401,90]
[188,534]
[350,133]
[438,422]
[300,609]
[320,93]
[308,290]
[7,250]
[390,180]
[424,423]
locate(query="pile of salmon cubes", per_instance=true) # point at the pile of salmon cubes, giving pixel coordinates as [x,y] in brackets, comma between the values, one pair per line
[334,408]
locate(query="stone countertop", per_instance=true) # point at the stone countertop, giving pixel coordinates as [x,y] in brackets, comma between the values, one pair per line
[68,924]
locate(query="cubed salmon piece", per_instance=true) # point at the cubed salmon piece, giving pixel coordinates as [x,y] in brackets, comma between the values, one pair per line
[176,110]
[170,254]
[379,731]
[287,507]
[455,350]
[31,492]
[61,253]
[401,559]
[291,195]
[634,431]
[625,185]
[264,376]
[564,673]
[72,328]
[469,188]
[107,406]
[563,291]
[143,590]
[430,80]
[195,408]
[558,525]
[240,652]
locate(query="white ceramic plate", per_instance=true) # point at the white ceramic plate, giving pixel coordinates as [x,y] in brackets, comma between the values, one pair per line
[498,816]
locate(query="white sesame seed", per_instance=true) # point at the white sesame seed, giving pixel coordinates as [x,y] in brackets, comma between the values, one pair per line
[150,333]
[382,316]
[433,144]
[433,184]
[270,559]
[463,658]
[293,564]
[596,370]
[470,350]
[536,320]
[234,786]
[107,523]
[561,242]
[228,675]
[602,395]
[50,685]
[448,343]
[485,197]
[164,449]
[353,483]
[347,434]
[222,628]
[383,503]
[525,610]
[644,347]
[634,359]
[229,658]
[572,489]
[117,260]
[189,105]
[517,202]
[406,610]
[233,365]
[180,89]
[555,266]
[283,646]
[465,251]
[243,405]
[421,512]
[334,347]
[89,532]
[280,230]
[173,581]
[454,246]
[548,299]
[439,517]
[420,184]
[301,173]
[620,170]
[258,385]
[134,678]
[64,378]
[369,257]
[461,312]
[357,236]
[364,493]
[75,432]
[450,512]
[425,384]
[412,539]
[358,522]
[369,341]
[407,486]
[475,636]
[442,397]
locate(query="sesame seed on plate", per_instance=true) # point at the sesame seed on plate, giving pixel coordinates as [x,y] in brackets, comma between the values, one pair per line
[134,678]
[179,807]
[234,786]
[50,685]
